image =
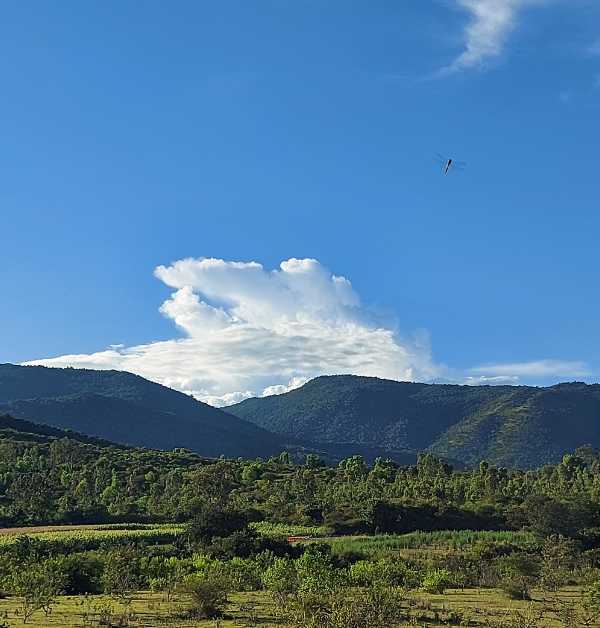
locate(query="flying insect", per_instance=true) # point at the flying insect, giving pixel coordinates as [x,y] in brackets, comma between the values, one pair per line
[449,163]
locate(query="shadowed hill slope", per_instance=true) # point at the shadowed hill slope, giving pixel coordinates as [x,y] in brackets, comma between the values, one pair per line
[128,409]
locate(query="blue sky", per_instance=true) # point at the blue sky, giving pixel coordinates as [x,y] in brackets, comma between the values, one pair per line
[136,135]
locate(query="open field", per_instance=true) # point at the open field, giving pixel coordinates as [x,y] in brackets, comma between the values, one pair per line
[284,529]
[87,537]
[477,607]
[384,544]
[36,530]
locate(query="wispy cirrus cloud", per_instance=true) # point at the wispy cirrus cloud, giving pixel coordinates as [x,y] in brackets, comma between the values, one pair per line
[486,34]
[532,370]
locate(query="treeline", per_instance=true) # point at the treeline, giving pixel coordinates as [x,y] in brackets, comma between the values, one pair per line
[67,481]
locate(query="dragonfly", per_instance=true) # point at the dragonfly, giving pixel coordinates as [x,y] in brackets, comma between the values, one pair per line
[449,163]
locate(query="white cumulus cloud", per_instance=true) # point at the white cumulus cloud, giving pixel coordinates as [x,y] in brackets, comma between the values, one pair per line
[249,331]
[486,34]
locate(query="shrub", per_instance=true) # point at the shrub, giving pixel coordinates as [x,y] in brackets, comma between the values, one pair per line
[246,543]
[382,572]
[436,581]
[121,576]
[208,595]
[374,607]
[518,574]
[212,522]
[516,587]
[242,574]
[38,585]
[488,550]
[165,574]
[592,596]
[316,573]
[558,560]
[281,577]
[80,573]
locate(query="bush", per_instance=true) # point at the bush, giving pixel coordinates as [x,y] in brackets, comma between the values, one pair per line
[208,595]
[516,587]
[242,574]
[316,573]
[436,581]
[374,607]
[121,576]
[559,557]
[382,572]
[79,573]
[518,574]
[165,574]
[37,585]
[212,522]
[281,577]
[489,550]
[592,596]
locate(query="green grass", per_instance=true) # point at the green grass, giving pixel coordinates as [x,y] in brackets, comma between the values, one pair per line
[481,607]
[284,529]
[445,539]
[86,539]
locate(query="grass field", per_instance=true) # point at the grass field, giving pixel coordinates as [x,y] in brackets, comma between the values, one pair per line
[283,529]
[443,540]
[90,537]
[477,607]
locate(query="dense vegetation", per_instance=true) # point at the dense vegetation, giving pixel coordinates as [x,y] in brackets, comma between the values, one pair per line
[386,542]
[52,476]
[517,426]
[125,408]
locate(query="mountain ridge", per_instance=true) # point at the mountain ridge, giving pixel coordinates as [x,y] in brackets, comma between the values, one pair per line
[128,409]
[508,425]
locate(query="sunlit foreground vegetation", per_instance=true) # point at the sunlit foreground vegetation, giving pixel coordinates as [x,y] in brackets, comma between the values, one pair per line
[469,607]
[219,571]
[164,538]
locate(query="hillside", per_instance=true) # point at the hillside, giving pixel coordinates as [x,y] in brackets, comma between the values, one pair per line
[508,425]
[23,431]
[526,426]
[127,409]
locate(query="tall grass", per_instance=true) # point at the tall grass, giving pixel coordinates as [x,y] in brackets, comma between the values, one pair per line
[444,539]
[285,529]
[86,539]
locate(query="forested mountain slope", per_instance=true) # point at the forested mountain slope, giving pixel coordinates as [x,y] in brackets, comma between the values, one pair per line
[128,409]
[517,425]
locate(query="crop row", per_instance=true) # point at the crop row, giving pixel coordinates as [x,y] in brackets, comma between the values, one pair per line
[86,539]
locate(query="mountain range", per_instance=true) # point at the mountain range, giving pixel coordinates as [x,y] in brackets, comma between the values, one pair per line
[333,416]
[519,426]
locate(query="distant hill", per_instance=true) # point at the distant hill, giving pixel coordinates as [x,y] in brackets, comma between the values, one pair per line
[128,409]
[83,449]
[508,425]
[24,431]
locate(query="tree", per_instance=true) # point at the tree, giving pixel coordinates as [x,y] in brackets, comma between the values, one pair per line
[121,575]
[37,585]
[213,521]
[519,573]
